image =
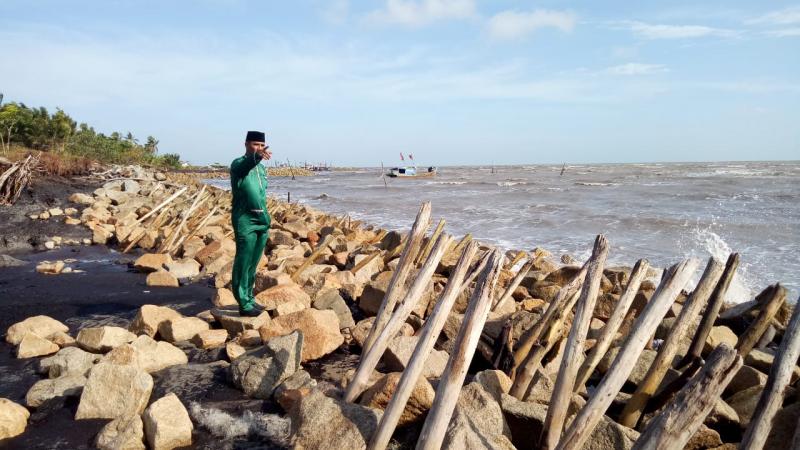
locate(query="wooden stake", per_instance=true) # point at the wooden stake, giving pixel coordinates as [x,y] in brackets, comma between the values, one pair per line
[429,243]
[609,331]
[361,264]
[780,375]
[768,310]
[507,295]
[371,356]
[163,204]
[573,352]
[663,361]
[673,428]
[452,379]
[398,281]
[312,257]
[430,332]
[582,426]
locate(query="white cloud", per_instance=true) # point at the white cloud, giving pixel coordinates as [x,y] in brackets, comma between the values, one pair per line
[659,31]
[786,32]
[517,24]
[423,12]
[631,69]
[787,16]
[336,11]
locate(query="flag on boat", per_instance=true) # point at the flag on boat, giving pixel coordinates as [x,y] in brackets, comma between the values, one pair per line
[401,157]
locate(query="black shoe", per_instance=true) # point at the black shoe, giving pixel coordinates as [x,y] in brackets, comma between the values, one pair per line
[255,312]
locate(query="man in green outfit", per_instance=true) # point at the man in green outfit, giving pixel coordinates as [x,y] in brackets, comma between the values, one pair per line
[250,219]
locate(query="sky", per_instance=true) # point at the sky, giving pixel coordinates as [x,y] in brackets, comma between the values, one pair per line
[455,82]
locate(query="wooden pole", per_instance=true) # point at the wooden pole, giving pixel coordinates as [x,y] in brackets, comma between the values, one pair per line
[609,331]
[573,351]
[373,354]
[584,423]
[312,257]
[679,421]
[507,295]
[452,379]
[364,262]
[429,243]
[691,308]
[163,204]
[712,311]
[780,375]
[427,338]
[398,281]
[768,310]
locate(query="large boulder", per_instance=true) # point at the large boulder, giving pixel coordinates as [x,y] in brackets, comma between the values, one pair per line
[320,330]
[257,373]
[746,377]
[719,335]
[42,326]
[13,419]
[103,339]
[68,361]
[185,268]
[331,299]
[784,426]
[114,390]
[374,291]
[640,367]
[361,331]
[477,422]
[495,382]
[266,279]
[224,297]
[162,278]
[293,388]
[167,424]
[744,403]
[156,355]
[181,329]
[281,294]
[321,422]
[152,262]
[126,432]
[399,351]
[420,401]
[150,317]
[230,319]
[32,345]
[43,390]
[210,338]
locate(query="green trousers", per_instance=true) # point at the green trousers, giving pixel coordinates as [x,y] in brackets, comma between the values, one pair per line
[250,245]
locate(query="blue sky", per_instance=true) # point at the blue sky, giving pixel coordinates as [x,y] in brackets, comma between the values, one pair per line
[452,81]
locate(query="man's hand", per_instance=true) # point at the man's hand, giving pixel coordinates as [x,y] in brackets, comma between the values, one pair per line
[264,152]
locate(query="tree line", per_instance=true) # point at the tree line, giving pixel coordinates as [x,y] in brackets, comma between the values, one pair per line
[57,132]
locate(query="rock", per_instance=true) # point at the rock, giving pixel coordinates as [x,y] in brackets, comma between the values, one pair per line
[271,298]
[288,308]
[33,345]
[13,419]
[294,388]
[167,424]
[321,422]
[191,246]
[640,368]
[266,279]
[372,297]
[50,268]
[131,187]
[298,228]
[124,355]
[280,237]
[762,361]
[495,382]
[477,422]
[42,326]
[545,290]
[185,268]
[113,391]
[43,390]
[361,330]
[68,361]
[10,261]
[162,278]
[62,339]
[420,401]
[81,198]
[150,317]
[157,355]
[562,275]
[259,372]
[703,438]
[181,329]
[719,335]
[54,212]
[224,297]
[744,403]
[100,235]
[234,350]
[210,338]
[320,331]
[784,426]
[722,415]
[746,377]
[103,339]
[330,299]
[230,319]
[399,352]
[122,433]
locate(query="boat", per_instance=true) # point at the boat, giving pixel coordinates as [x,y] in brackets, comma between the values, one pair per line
[411,172]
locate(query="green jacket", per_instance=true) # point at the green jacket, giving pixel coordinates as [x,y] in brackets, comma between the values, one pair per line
[249,189]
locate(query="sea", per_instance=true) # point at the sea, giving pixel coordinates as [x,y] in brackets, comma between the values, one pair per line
[661,212]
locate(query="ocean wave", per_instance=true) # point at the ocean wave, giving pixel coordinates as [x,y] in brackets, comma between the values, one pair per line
[446,182]
[511,183]
[594,183]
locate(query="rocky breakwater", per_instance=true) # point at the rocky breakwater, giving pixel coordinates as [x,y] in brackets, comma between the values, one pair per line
[646,357]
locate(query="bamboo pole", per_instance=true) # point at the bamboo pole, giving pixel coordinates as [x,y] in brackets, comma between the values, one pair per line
[427,338]
[573,352]
[584,423]
[433,431]
[609,331]
[679,421]
[780,375]
[162,204]
[373,354]
[691,308]
[398,281]
[312,257]
[768,310]
[507,295]
[429,243]
[712,311]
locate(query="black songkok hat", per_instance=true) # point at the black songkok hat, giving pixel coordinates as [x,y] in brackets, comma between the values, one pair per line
[256,136]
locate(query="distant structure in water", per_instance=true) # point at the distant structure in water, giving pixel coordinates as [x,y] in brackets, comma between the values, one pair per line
[410,171]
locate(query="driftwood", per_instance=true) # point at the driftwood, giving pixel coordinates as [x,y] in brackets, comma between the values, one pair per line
[671,429]
[429,243]
[609,331]
[691,308]
[507,295]
[312,257]
[365,261]
[373,354]
[14,179]
[573,351]
[398,281]
[430,332]
[433,431]
[162,204]
[769,308]
[779,377]
[582,426]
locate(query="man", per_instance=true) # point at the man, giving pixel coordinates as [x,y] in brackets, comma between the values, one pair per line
[250,219]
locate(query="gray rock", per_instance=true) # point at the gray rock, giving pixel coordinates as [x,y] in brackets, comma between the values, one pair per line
[399,352]
[167,424]
[260,371]
[43,390]
[103,339]
[330,299]
[113,391]
[10,261]
[477,422]
[68,361]
[321,422]
[125,432]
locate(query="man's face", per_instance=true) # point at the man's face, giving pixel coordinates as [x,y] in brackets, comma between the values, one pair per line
[260,148]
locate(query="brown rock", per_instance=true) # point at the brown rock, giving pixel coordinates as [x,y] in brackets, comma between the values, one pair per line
[42,326]
[167,424]
[152,262]
[321,422]
[372,297]
[33,345]
[719,335]
[399,352]
[271,298]
[162,279]
[13,419]
[181,329]
[320,331]
[150,317]
[420,401]
[224,297]
[210,338]
[230,319]
[103,339]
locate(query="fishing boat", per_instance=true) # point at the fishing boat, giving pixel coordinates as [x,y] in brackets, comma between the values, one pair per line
[410,171]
